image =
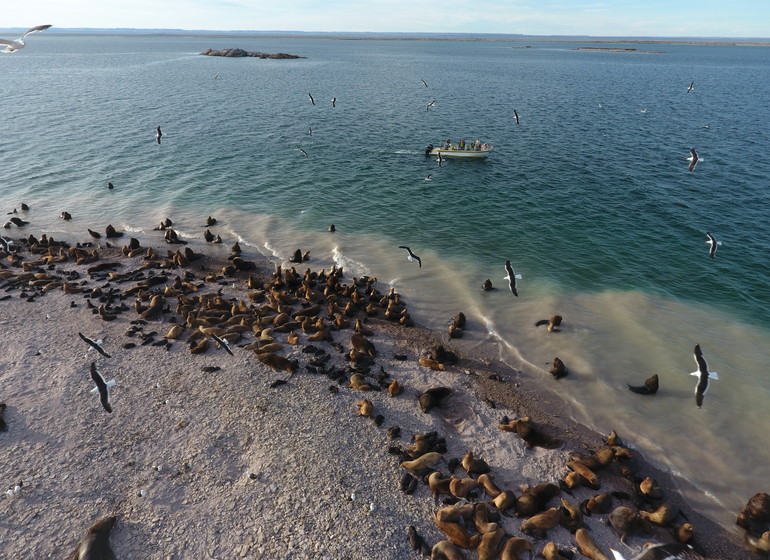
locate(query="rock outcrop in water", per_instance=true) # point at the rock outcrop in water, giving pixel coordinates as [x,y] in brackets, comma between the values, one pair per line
[241,52]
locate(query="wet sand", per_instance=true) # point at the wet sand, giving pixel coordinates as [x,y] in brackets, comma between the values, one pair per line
[247,461]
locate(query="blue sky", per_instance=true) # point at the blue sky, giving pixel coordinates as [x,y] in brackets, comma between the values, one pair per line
[659,18]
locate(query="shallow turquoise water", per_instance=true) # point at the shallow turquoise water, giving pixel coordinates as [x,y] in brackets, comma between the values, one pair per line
[589,196]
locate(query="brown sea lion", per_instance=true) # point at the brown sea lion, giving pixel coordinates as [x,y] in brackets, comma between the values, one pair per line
[432,398]
[487,285]
[540,523]
[445,550]
[650,386]
[490,544]
[96,545]
[363,345]
[451,520]
[462,487]
[423,462]
[627,521]
[474,466]
[571,516]
[490,488]
[551,552]
[278,363]
[600,503]
[761,544]
[437,484]
[558,369]
[535,498]
[553,323]
[588,547]
[432,364]
[3,425]
[514,547]
[527,430]
[505,500]
[481,519]
[755,515]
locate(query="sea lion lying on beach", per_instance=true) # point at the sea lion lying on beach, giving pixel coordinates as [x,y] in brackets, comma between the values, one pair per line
[529,432]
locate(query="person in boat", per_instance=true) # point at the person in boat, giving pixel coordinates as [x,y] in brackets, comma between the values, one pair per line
[462,144]
[448,143]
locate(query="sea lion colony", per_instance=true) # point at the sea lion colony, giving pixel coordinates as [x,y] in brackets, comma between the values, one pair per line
[473,511]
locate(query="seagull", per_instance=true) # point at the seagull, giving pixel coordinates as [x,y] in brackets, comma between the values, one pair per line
[692,85]
[102,386]
[310,131]
[703,374]
[428,177]
[311,99]
[303,151]
[644,110]
[713,242]
[671,551]
[334,101]
[223,343]
[15,45]
[411,256]
[95,345]
[511,277]
[516,116]
[424,82]
[439,159]
[158,134]
[693,159]
[429,105]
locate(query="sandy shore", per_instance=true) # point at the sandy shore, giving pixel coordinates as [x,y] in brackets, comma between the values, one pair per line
[248,461]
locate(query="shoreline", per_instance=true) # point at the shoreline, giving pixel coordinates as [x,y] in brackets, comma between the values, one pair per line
[317,465]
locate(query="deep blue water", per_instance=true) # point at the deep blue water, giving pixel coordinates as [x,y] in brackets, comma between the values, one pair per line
[589,196]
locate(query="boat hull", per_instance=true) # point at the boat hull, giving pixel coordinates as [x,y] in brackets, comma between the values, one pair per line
[460,153]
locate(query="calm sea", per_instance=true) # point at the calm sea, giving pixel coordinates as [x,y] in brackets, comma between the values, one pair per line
[589,197]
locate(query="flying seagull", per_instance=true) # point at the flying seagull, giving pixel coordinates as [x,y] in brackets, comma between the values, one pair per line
[102,386]
[511,277]
[429,105]
[303,151]
[671,551]
[334,101]
[424,83]
[693,159]
[223,343]
[516,116]
[692,85]
[703,374]
[713,242]
[310,131]
[15,45]
[428,177]
[158,134]
[95,345]
[440,159]
[311,99]
[411,256]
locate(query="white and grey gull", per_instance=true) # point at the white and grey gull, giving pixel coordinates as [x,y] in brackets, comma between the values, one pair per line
[17,44]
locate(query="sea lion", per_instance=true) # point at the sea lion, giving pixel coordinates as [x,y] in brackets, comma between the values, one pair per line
[571,516]
[332,229]
[451,521]
[761,544]
[431,364]
[588,547]
[423,462]
[514,547]
[358,381]
[537,525]
[394,388]
[363,345]
[551,552]
[110,232]
[587,474]
[96,545]
[445,550]
[627,521]
[527,430]
[558,369]
[755,515]
[684,533]
[3,425]
[481,518]
[462,487]
[474,466]
[432,398]
[663,515]
[505,500]
[490,488]
[490,544]
[65,216]
[437,484]
[600,503]
[553,323]
[650,489]
[365,407]
[650,386]
[487,285]
[534,499]
[278,363]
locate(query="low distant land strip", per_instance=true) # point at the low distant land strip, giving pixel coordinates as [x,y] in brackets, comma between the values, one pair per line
[241,53]
[616,49]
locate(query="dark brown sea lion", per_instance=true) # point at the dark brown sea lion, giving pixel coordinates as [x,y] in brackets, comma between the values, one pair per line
[110,232]
[755,515]
[96,545]
[558,369]
[650,386]
[532,435]
[487,285]
[553,323]
[445,550]
[538,525]
[514,547]
[3,425]
[490,544]
[432,398]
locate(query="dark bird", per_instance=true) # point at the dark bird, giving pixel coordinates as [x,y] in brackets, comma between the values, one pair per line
[424,83]
[440,159]
[103,387]
[671,551]
[95,345]
[158,134]
[703,374]
[511,277]
[110,186]
[223,343]
[693,159]
[411,256]
[692,85]
[16,44]
[334,101]
[713,242]
[303,152]
[310,131]
[516,116]
[311,99]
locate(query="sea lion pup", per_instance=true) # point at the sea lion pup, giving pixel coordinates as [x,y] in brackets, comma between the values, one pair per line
[474,466]
[416,541]
[394,388]
[487,285]
[537,525]
[363,345]
[431,364]
[558,369]
[588,547]
[662,516]
[445,550]
[527,430]
[514,547]
[551,552]
[490,544]
[650,386]
[358,381]
[600,503]
[432,398]
[96,545]
[553,323]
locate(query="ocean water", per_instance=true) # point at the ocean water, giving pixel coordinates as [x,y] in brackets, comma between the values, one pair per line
[589,197]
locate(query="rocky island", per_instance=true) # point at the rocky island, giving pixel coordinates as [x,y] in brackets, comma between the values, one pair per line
[241,52]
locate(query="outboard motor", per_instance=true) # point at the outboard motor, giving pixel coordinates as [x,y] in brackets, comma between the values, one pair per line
[429,149]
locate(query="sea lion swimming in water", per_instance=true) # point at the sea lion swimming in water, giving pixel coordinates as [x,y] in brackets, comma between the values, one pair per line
[650,386]
[552,323]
